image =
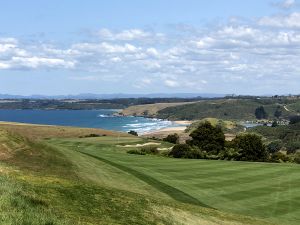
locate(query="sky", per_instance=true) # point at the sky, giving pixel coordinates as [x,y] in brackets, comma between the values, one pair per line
[151,46]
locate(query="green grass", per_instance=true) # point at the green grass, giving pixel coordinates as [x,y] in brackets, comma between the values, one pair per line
[94,181]
[262,190]
[226,109]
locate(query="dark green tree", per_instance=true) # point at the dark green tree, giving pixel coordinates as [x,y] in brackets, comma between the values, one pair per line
[274,146]
[294,119]
[275,124]
[260,113]
[250,148]
[132,132]
[278,113]
[208,138]
[172,138]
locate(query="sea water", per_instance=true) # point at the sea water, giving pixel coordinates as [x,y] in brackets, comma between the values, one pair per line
[104,119]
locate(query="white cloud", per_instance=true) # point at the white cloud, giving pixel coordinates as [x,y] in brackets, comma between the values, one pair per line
[171,83]
[285,4]
[288,21]
[35,62]
[128,35]
[262,51]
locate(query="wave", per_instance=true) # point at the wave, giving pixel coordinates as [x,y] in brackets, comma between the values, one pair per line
[104,116]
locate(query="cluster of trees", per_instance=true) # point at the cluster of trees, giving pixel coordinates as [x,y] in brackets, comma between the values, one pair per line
[208,142]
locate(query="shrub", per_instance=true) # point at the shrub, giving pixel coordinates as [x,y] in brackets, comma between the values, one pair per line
[149,150]
[228,154]
[134,133]
[294,119]
[292,147]
[297,158]
[274,124]
[250,148]
[172,138]
[90,135]
[136,152]
[260,113]
[274,146]
[208,138]
[185,151]
[279,157]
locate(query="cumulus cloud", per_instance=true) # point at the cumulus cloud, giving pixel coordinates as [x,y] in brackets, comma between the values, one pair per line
[236,53]
[289,21]
[285,4]
[171,83]
[128,35]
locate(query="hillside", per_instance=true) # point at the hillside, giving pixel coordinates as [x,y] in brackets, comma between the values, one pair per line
[149,110]
[52,179]
[227,109]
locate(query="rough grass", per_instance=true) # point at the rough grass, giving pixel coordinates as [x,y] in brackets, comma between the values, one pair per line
[149,109]
[34,132]
[227,109]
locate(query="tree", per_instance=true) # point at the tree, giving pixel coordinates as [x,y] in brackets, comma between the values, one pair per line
[250,148]
[260,113]
[274,146]
[172,138]
[275,124]
[208,138]
[278,113]
[294,119]
[132,132]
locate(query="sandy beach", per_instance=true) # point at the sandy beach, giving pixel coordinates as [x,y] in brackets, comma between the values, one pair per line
[170,130]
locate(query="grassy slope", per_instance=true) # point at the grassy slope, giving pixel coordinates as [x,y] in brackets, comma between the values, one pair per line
[51,182]
[268,191]
[227,109]
[226,125]
[149,109]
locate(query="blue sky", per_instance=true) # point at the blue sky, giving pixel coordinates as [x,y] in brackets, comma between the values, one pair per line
[217,46]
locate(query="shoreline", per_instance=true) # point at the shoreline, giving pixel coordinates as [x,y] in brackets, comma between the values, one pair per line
[172,129]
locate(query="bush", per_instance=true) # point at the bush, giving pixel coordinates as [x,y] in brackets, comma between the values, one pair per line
[260,113]
[208,138]
[297,158]
[134,133]
[172,138]
[136,152]
[292,147]
[294,119]
[250,148]
[228,154]
[279,157]
[274,146]
[90,135]
[152,150]
[185,151]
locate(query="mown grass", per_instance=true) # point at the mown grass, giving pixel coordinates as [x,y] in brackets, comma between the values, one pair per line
[52,182]
[262,190]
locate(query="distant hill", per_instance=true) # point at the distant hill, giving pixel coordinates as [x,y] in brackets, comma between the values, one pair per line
[227,109]
[114,96]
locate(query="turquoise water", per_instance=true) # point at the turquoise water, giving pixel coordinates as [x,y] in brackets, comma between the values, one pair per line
[85,118]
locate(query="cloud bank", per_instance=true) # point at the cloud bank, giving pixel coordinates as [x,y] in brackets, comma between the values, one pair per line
[266,51]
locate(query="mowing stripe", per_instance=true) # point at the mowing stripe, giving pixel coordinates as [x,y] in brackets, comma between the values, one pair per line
[165,188]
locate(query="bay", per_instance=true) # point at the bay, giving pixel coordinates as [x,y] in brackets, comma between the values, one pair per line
[85,118]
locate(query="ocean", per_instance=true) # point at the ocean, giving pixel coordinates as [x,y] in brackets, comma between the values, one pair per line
[86,118]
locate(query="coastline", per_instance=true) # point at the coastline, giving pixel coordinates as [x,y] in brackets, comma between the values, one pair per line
[173,129]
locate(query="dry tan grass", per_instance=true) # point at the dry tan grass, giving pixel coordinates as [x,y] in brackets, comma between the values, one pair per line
[33,132]
[149,109]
